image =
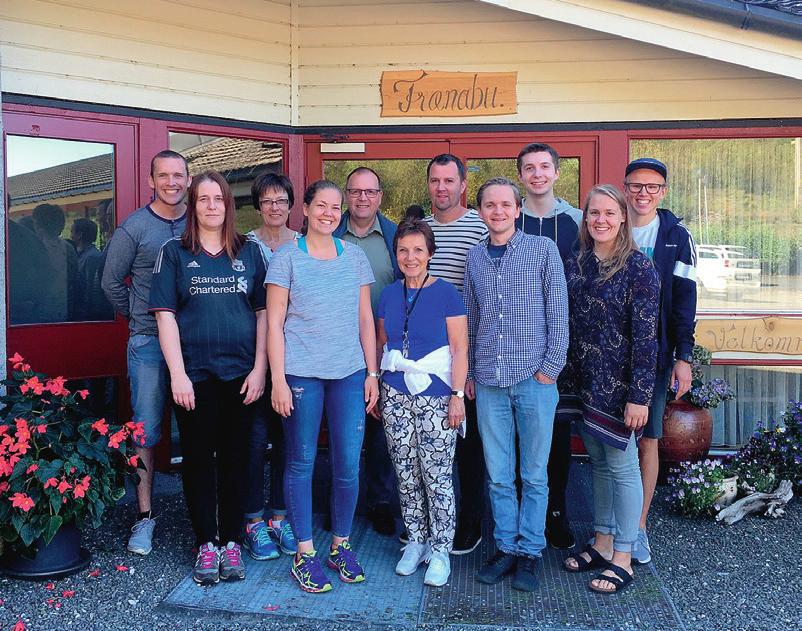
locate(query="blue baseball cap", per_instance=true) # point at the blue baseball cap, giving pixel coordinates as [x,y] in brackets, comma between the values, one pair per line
[648,163]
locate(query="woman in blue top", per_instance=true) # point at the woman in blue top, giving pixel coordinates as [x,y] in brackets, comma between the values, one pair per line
[320,339]
[613,293]
[423,328]
[272,196]
[209,299]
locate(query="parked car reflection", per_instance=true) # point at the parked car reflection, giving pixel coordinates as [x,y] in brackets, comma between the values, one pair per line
[726,268]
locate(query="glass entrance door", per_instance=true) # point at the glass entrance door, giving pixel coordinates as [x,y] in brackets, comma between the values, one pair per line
[69,183]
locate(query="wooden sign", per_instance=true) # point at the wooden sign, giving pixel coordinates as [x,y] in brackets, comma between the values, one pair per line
[776,335]
[445,94]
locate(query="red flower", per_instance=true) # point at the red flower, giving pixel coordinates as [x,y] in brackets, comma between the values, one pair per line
[20,626]
[56,386]
[101,426]
[32,468]
[34,384]
[78,491]
[41,429]
[23,431]
[50,586]
[16,359]
[83,393]
[4,486]
[94,573]
[20,500]
[51,482]
[121,568]
[68,593]
[3,429]
[133,460]
[6,468]
[21,447]
[116,438]
[64,486]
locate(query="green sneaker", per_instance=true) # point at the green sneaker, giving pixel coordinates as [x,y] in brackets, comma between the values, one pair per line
[343,559]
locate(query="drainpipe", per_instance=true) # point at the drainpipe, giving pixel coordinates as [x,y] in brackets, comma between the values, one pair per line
[739,14]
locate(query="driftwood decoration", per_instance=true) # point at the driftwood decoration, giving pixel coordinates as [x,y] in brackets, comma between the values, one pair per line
[771,504]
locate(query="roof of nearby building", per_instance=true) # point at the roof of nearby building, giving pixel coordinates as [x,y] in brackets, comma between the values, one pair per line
[232,154]
[71,178]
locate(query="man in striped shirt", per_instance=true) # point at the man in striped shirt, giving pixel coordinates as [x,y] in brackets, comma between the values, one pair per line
[456,230]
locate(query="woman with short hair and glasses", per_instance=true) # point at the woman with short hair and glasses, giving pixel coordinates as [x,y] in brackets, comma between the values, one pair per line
[272,196]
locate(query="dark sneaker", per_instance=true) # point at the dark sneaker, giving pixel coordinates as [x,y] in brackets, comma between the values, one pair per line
[207,565]
[381,516]
[558,531]
[525,578]
[141,539]
[404,536]
[231,565]
[281,533]
[307,570]
[467,536]
[258,542]
[497,568]
[343,559]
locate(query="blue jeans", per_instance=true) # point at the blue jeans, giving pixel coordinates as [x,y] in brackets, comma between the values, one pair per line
[147,373]
[344,400]
[654,426]
[617,490]
[267,427]
[526,408]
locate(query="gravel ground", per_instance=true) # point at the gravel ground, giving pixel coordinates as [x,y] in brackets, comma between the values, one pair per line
[745,576]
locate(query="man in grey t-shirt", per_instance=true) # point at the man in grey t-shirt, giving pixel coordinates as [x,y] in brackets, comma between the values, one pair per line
[131,254]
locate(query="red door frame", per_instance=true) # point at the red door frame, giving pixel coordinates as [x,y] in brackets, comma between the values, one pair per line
[71,349]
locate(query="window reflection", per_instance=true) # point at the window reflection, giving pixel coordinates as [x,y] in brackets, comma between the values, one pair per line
[54,266]
[239,160]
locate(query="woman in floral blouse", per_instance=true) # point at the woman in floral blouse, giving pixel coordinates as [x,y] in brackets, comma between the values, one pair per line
[613,293]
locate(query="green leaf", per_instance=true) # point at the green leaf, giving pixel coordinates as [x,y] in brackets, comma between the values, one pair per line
[55,501]
[28,533]
[53,524]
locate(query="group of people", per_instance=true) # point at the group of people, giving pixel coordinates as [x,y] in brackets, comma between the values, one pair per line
[470,339]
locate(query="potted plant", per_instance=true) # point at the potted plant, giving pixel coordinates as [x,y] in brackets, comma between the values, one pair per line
[701,488]
[687,422]
[60,469]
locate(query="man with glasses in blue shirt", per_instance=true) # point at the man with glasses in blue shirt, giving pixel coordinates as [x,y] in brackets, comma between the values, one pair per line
[364,225]
[663,237]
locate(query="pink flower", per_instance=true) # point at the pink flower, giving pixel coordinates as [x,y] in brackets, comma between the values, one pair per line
[56,386]
[83,393]
[101,427]
[32,468]
[22,501]
[64,486]
[116,438]
[51,482]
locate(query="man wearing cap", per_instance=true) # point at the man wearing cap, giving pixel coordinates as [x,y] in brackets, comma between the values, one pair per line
[663,237]
[363,225]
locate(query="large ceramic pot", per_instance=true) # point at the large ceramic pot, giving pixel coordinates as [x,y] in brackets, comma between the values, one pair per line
[687,432]
[61,557]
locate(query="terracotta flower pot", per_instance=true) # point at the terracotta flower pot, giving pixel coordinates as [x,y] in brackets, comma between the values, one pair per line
[687,432]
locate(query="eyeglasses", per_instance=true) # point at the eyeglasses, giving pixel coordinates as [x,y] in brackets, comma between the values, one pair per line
[370,193]
[651,188]
[281,202]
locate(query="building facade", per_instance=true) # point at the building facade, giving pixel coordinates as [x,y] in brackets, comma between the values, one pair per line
[90,91]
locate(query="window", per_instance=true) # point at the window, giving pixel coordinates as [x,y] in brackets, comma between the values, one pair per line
[239,160]
[60,219]
[741,200]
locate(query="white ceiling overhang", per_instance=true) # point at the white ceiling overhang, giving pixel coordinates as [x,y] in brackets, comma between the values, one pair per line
[674,30]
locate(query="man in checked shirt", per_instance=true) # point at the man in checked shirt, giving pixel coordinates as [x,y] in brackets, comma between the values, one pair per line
[517,306]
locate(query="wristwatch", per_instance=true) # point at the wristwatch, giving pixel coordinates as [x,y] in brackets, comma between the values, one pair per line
[458,393]
[376,374]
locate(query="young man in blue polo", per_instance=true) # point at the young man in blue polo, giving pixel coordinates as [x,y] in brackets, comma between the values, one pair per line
[663,237]
[517,304]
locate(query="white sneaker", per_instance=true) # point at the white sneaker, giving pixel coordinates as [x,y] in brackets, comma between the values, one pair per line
[414,555]
[439,569]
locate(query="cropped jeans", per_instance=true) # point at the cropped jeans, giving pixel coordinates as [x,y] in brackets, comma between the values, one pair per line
[344,402]
[617,490]
[526,409]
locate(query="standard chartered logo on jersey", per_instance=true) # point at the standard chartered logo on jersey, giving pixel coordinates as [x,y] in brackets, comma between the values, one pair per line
[218,285]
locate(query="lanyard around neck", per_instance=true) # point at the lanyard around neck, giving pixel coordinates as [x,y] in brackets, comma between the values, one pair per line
[408,308]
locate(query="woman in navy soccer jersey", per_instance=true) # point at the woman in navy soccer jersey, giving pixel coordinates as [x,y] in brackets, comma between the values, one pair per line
[209,299]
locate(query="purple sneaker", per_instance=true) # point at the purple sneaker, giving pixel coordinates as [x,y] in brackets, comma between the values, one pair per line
[343,559]
[309,573]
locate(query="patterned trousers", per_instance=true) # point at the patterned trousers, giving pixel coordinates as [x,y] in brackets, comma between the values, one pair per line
[421,446]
